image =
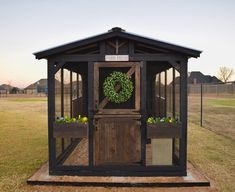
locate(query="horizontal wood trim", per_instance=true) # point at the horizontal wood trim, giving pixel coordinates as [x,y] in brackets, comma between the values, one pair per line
[133,116]
[79,58]
[71,130]
[118,111]
[155,57]
[164,130]
[116,64]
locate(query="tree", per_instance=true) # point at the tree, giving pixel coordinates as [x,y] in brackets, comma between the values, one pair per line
[225,73]
[14,90]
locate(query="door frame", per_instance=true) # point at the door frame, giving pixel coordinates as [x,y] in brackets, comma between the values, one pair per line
[134,68]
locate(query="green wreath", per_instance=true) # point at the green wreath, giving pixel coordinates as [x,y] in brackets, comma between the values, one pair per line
[124,93]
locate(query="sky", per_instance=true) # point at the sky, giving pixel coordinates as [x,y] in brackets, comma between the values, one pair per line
[29,26]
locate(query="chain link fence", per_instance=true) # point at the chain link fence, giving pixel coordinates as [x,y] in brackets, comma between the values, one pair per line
[213,106]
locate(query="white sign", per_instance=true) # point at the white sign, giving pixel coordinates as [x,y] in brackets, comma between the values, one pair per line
[116,57]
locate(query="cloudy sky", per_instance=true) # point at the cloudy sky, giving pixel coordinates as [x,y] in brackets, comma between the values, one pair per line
[28,26]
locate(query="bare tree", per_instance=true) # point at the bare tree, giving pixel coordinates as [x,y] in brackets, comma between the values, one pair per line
[225,73]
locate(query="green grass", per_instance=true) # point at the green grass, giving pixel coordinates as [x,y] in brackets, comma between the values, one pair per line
[222,102]
[23,147]
[23,143]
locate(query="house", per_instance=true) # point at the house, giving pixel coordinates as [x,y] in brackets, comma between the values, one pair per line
[3,91]
[118,72]
[197,77]
[6,87]
[37,87]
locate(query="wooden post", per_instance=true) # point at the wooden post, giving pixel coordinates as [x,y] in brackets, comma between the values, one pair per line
[62,102]
[90,80]
[51,115]
[143,112]
[173,93]
[183,114]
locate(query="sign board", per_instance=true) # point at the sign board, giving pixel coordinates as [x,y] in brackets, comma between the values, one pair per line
[116,57]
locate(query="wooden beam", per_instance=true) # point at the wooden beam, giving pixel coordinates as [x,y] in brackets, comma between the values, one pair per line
[79,58]
[153,48]
[156,57]
[82,48]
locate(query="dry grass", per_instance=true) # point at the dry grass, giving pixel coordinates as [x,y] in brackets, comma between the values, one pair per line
[218,114]
[214,155]
[23,148]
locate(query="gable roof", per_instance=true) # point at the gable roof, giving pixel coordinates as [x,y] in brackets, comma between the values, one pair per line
[201,78]
[41,83]
[118,32]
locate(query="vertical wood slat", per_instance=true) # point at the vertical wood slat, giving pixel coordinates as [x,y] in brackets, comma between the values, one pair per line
[51,114]
[137,87]
[160,94]
[117,141]
[71,94]
[173,94]
[165,104]
[143,112]
[62,102]
[96,86]
[78,87]
[90,80]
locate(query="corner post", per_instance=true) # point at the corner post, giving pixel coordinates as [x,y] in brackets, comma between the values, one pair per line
[51,114]
[183,114]
[143,85]
[90,80]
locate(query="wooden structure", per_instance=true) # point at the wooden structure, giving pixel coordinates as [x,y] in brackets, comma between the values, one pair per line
[117,140]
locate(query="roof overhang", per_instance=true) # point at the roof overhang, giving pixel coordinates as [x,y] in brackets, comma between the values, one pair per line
[118,32]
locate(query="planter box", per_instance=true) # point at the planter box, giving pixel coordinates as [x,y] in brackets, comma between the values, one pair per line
[164,130]
[71,130]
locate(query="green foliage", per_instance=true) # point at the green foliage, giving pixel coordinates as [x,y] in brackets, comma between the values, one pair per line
[152,120]
[14,90]
[67,119]
[126,84]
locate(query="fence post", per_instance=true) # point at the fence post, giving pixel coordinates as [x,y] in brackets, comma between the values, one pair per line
[201,104]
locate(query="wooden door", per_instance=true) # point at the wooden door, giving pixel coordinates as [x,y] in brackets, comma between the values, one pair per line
[117,134]
[117,141]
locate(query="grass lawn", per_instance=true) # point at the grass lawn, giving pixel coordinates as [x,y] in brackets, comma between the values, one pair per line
[23,146]
[218,114]
[23,143]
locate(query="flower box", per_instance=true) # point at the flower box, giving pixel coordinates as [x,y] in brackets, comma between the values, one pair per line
[164,130]
[71,130]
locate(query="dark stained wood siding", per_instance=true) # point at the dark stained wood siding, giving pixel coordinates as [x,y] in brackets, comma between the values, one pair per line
[117,141]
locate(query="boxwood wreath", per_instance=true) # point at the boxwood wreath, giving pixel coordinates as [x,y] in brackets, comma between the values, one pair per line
[113,80]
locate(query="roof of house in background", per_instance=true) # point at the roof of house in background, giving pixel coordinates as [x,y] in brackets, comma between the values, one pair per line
[118,32]
[39,83]
[6,87]
[199,77]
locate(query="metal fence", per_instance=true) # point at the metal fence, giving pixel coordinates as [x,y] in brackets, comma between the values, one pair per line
[213,106]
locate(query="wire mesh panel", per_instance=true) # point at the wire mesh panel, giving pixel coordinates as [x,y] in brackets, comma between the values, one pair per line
[169,95]
[67,93]
[213,107]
